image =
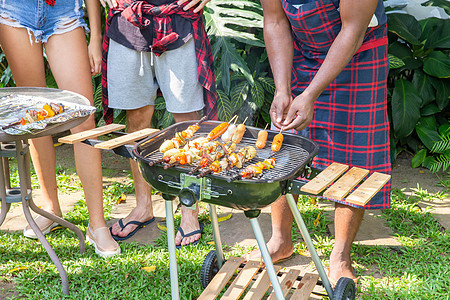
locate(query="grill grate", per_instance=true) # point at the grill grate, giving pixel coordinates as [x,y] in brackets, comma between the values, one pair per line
[290,159]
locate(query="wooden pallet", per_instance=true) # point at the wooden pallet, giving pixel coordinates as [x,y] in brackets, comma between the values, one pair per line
[109,144]
[346,183]
[252,282]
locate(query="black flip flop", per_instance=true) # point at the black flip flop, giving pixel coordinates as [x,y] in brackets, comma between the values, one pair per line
[190,234]
[139,226]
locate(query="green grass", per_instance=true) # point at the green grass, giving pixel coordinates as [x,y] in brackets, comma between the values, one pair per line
[418,269]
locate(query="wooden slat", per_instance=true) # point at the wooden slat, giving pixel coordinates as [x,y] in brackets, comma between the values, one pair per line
[368,189]
[324,178]
[243,279]
[221,279]
[125,139]
[305,287]
[261,285]
[81,136]
[286,283]
[346,183]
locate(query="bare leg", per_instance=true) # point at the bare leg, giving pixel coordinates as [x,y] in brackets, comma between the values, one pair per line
[347,220]
[280,244]
[27,65]
[138,119]
[189,220]
[65,52]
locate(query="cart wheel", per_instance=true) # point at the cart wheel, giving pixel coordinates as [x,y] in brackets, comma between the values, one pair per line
[345,289]
[210,268]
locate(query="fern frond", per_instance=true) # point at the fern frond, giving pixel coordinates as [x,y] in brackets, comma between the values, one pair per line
[441,146]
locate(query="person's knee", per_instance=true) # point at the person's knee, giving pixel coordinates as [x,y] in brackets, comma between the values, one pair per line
[139,118]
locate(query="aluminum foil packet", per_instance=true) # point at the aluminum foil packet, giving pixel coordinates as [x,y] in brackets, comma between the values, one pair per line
[15,106]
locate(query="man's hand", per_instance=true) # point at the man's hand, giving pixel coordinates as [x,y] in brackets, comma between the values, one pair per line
[111,3]
[279,108]
[200,4]
[300,113]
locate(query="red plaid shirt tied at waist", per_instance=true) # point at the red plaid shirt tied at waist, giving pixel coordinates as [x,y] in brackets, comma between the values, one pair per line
[141,14]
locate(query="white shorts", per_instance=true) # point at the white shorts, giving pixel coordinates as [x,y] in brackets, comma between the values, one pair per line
[174,72]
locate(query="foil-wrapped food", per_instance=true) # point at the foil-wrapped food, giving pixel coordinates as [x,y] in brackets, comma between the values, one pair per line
[21,114]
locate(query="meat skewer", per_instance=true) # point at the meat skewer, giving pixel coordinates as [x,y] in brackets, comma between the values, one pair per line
[262,138]
[234,159]
[239,132]
[180,137]
[219,130]
[277,142]
[255,169]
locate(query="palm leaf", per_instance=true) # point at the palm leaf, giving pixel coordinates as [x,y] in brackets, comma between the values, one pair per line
[441,146]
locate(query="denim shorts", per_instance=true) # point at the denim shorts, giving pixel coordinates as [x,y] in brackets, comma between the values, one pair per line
[42,19]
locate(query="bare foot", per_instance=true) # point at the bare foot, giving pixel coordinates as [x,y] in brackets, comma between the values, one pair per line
[189,223]
[340,266]
[137,214]
[279,249]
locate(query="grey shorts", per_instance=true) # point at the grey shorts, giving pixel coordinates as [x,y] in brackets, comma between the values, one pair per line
[174,72]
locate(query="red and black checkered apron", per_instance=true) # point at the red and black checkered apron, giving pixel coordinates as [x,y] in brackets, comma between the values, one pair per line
[350,121]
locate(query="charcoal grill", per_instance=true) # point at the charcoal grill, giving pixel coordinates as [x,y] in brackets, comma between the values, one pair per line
[249,195]
[228,189]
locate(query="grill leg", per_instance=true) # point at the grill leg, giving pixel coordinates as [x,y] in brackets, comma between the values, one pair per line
[267,259]
[216,234]
[172,250]
[309,243]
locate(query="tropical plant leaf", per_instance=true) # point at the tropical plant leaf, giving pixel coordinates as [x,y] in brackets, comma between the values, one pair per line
[268,84]
[437,64]
[429,110]
[98,97]
[257,92]
[227,20]
[444,130]
[120,116]
[442,87]
[418,159]
[166,120]
[427,135]
[160,103]
[424,86]
[239,94]
[224,106]
[395,62]
[405,26]
[436,33]
[442,145]
[406,104]
[441,161]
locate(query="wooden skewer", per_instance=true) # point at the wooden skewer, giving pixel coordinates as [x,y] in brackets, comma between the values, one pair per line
[232,118]
[245,120]
[266,126]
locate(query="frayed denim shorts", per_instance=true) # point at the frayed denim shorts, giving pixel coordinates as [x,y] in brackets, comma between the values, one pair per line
[42,19]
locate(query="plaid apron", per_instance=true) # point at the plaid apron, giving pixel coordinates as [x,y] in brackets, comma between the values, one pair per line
[350,121]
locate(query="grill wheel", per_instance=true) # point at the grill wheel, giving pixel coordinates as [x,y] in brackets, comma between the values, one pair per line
[344,290]
[209,269]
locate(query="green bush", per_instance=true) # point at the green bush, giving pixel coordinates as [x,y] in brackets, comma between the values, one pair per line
[419,89]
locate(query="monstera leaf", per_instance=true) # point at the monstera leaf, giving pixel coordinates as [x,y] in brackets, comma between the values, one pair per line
[406,104]
[226,21]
